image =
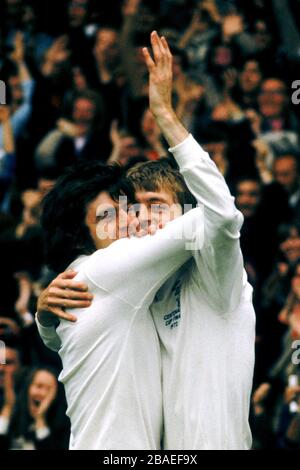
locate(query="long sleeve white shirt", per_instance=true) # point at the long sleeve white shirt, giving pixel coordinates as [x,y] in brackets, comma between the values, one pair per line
[111,355]
[205,320]
[206,323]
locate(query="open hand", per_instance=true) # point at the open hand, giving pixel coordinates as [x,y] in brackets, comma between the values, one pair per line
[160,74]
[62,293]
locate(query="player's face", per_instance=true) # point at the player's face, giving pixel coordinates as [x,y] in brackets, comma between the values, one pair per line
[108,220]
[156,208]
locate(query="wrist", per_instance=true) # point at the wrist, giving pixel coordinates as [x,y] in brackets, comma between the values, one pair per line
[45,318]
[166,118]
[172,129]
[164,114]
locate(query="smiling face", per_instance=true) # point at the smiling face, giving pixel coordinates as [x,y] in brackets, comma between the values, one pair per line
[160,192]
[157,208]
[43,384]
[108,220]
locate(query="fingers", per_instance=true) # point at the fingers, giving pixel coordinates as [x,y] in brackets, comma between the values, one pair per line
[161,52]
[148,59]
[63,315]
[157,43]
[156,46]
[61,293]
[166,47]
[67,303]
[67,275]
[64,281]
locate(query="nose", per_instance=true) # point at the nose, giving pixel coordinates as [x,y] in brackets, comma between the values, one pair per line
[133,223]
[144,216]
[127,222]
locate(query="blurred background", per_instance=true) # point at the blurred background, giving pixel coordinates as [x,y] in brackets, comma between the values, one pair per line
[76,88]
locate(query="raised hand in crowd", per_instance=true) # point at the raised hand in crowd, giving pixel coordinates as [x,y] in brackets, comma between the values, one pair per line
[57,53]
[232,25]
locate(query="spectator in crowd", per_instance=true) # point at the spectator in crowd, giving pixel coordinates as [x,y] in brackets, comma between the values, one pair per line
[12,366]
[80,137]
[7,158]
[287,174]
[21,87]
[35,419]
[125,146]
[273,106]
[276,400]
[107,70]
[274,294]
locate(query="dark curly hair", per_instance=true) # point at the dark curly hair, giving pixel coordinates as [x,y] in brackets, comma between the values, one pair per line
[66,236]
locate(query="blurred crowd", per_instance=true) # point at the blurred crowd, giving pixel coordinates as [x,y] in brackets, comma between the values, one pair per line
[76,88]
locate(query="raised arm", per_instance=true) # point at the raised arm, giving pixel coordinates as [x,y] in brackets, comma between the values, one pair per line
[220,263]
[22,113]
[7,137]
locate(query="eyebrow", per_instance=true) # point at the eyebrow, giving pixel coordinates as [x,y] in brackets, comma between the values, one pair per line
[103,209]
[157,199]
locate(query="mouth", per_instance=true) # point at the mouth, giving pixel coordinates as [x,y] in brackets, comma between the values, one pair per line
[36,402]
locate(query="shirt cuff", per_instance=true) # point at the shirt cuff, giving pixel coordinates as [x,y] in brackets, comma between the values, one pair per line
[188,152]
[42,433]
[46,332]
[4,425]
[49,335]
